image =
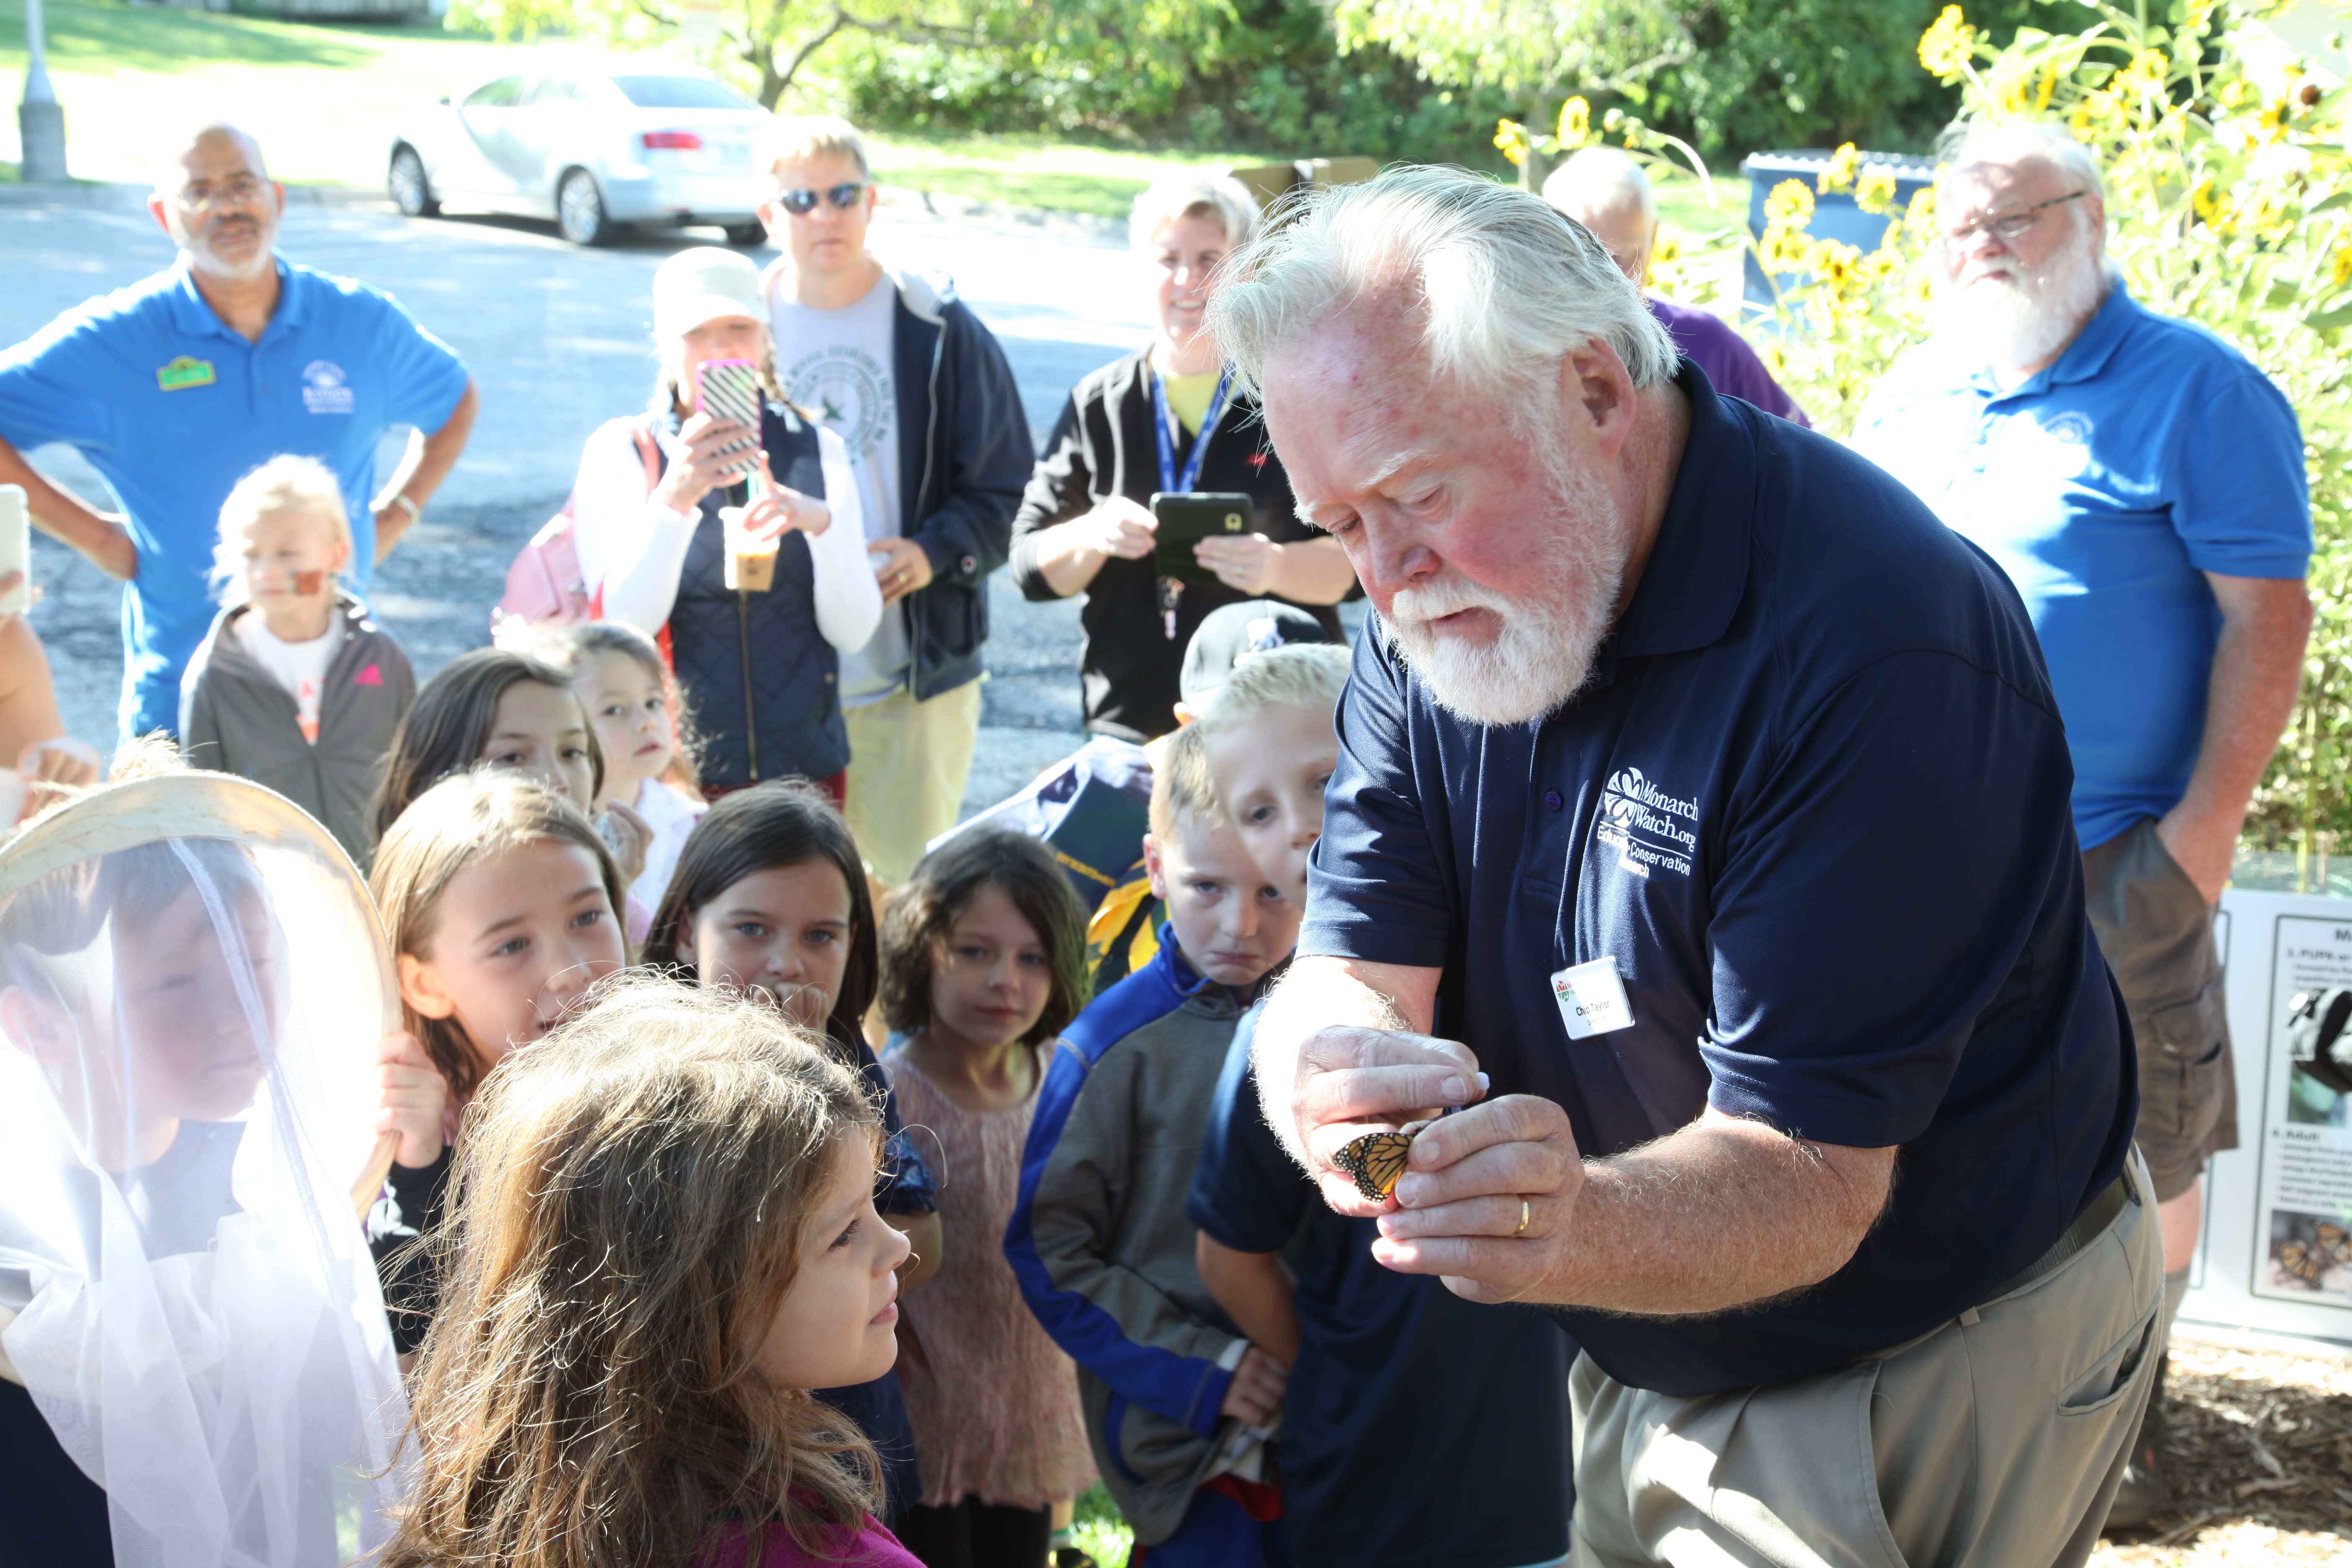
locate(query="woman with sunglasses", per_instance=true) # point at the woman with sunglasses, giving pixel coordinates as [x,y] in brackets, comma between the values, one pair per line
[755,622]
[1166,418]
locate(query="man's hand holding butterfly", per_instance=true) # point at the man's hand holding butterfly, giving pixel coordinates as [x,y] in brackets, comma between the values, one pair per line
[1486,1195]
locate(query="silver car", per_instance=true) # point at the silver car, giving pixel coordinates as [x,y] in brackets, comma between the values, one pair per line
[595,149]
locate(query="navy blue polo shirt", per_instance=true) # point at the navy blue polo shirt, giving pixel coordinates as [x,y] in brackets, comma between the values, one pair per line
[1407,1403]
[173,407]
[1814,806]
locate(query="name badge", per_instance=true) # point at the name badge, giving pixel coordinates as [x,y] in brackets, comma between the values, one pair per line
[182,373]
[1591,998]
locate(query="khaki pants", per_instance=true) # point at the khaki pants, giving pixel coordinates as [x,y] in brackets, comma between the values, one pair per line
[1995,1441]
[907,764]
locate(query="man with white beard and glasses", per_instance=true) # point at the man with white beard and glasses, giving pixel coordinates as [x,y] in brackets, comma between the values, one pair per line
[2142,484]
[1699,834]
[180,384]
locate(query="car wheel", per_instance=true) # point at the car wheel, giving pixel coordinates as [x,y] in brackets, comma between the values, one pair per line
[746,234]
[579,214]
[411,192]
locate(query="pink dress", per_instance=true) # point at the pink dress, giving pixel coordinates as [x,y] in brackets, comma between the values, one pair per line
[994,1402]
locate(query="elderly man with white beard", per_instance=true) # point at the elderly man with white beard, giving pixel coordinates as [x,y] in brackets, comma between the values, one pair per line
[181,383]
[1699,836]
[2142,484]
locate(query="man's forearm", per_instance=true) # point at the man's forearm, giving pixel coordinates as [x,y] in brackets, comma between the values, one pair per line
[64,517]
[2257,673]
[422,469]
[1720,1215]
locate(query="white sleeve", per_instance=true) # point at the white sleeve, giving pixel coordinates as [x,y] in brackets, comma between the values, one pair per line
[848,596]
[630,546]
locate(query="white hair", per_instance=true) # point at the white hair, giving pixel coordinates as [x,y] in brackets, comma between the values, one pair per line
[1220,196]
[1506,286]
[1599,178]
[2017,141]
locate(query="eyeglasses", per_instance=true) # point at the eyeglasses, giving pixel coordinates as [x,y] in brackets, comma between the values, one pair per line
[2007,228]
[801,202]
[241,190]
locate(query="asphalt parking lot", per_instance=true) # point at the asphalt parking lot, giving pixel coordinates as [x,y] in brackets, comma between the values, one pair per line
[557,340]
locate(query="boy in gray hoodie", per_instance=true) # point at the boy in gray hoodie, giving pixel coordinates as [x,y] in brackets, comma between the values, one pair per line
[296,687]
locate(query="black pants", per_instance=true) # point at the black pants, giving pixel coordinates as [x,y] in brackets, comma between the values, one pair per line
[976,1534]
[51,1515]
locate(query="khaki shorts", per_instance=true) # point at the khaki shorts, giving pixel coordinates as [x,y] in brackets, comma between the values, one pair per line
[2157,931]
[908,762]
[1995,1441]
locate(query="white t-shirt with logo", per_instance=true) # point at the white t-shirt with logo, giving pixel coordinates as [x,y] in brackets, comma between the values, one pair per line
[837,364]
[300,667]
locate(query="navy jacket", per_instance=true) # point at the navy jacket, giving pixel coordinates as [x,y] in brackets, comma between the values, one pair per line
[764,685]
[964,456]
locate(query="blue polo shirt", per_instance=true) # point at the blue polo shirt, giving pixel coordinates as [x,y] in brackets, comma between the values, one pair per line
[1813,804]
[173,407]
[2106,485]
[1483,1390]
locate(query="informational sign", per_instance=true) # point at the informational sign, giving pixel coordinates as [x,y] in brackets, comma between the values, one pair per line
[2276,1254]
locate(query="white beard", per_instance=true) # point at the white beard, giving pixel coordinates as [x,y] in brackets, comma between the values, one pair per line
[2013,318]
[1542,654]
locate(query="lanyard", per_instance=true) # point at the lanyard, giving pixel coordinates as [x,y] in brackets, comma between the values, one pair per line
[1162,422]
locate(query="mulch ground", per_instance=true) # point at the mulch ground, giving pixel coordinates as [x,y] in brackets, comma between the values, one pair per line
[2258,1464]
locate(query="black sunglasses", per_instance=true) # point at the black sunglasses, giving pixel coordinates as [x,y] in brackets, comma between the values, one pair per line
[799,203]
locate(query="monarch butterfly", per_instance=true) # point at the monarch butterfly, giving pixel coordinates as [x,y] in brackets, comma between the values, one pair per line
[2335,1242]
[2302,1262]
[1376,1160]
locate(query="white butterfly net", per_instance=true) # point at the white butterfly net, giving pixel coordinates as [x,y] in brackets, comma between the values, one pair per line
[187,1091]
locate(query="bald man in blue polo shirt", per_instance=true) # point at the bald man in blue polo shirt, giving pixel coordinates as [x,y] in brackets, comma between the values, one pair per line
[2142,483]
[1700,835]
[178,385]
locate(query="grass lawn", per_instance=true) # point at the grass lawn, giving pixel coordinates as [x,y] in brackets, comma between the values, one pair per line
[1035,171]
[322,98]
[1098,1530]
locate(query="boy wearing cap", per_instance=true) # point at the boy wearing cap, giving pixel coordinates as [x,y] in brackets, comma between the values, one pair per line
[904,372]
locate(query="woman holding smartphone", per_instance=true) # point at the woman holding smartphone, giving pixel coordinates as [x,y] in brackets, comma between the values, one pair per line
[743,539]
[1165,419]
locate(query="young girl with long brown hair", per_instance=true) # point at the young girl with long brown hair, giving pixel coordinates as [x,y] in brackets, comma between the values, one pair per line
[502,907]
[770,902]
[664,1236]
[984,961]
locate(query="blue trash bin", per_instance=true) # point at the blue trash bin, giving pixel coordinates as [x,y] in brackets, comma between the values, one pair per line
[1836,215]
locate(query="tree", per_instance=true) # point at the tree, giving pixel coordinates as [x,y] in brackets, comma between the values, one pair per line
[1529,48]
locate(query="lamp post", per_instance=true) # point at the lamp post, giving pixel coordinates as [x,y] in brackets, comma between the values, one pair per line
[41,117]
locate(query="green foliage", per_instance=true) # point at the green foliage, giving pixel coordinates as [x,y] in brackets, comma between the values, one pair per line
[1261,74]
[2229,205]
[1528,48]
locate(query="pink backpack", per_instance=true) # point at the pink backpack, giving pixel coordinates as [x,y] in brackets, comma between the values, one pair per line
[543,586]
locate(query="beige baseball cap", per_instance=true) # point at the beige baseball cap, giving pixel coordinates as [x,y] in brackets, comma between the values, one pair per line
[702,285]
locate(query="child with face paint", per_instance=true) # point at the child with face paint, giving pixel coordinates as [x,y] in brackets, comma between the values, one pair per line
[296,687]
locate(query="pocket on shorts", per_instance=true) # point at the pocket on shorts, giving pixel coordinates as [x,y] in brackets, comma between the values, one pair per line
[2183,1060]
[2116,1372]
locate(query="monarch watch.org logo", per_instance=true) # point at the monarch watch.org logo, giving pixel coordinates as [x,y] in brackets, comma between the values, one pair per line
[1647,827]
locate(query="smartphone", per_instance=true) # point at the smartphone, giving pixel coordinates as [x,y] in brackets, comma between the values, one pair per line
[1187,517]
[729,389]
[16,549]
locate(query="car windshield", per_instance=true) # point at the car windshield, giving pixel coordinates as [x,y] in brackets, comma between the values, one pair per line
[680,92]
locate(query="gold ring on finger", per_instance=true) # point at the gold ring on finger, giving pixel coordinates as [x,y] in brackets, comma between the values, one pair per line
[1524,1215]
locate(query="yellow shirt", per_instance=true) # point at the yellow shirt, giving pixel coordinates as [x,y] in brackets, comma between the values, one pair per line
[1187,399]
